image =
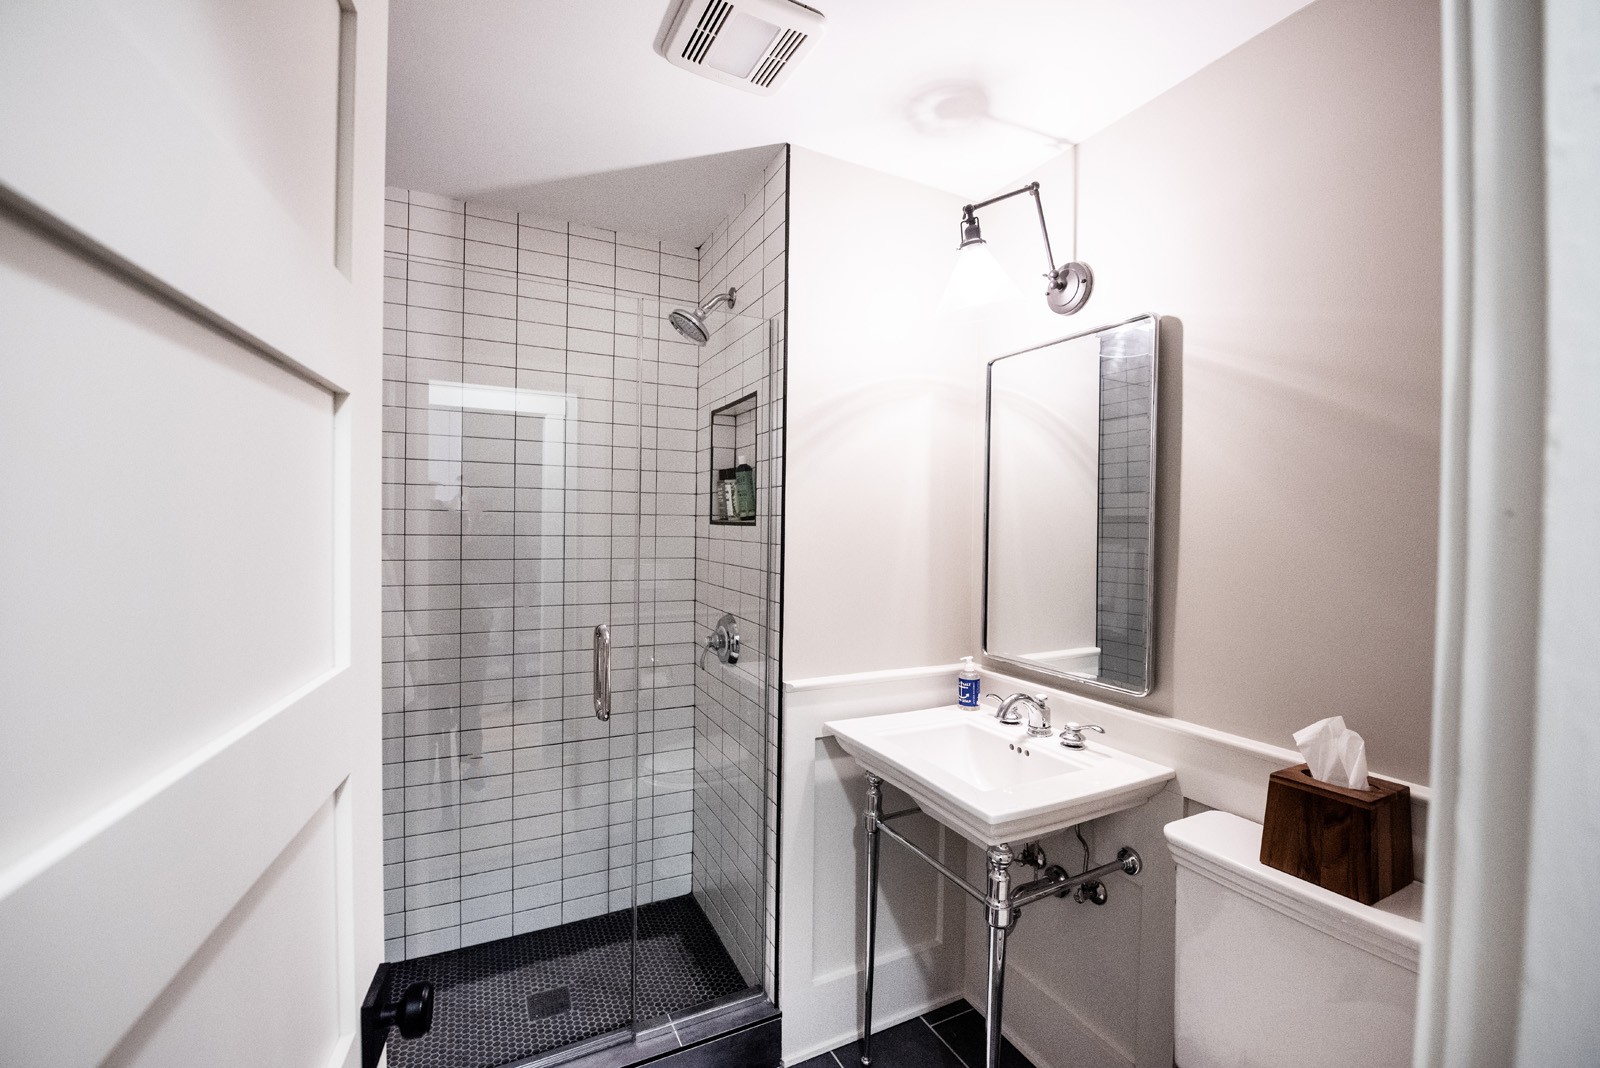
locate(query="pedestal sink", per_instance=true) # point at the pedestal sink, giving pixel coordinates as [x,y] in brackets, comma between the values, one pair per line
[995,784]
[991,782]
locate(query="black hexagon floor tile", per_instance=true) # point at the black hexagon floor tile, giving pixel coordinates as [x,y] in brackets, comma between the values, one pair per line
[482,1013]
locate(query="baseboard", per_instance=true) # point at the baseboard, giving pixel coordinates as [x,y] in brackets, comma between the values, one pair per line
[1081,1045]
[881,1022]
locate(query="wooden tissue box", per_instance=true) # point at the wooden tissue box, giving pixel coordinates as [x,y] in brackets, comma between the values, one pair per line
[1353,842]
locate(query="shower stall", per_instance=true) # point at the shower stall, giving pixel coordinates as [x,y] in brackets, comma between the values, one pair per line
[580,824]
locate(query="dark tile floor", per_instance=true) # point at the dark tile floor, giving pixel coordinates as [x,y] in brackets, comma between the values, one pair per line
[510,999]
[948,1037]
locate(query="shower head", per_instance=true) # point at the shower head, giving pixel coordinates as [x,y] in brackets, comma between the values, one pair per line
[692,324]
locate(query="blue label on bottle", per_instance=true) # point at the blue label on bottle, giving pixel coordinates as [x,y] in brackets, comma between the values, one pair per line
[967,692]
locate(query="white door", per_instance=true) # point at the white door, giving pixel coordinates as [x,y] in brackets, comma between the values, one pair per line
[190,316]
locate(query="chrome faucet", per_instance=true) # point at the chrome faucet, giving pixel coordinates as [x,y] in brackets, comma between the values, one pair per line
[1072,734]
[1038,711]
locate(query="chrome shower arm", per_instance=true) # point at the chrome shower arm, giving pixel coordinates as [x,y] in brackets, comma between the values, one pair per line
[711,302]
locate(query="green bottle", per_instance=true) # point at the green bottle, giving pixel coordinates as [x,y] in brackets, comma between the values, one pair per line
[744,480]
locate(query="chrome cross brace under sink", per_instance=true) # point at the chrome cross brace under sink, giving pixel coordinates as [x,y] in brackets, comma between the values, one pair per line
[1002,903]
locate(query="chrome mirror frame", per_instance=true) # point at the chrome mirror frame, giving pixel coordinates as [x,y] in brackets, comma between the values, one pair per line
[1031,666]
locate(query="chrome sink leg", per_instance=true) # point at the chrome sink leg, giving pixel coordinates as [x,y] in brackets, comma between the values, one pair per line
[1001,918]
[869,825]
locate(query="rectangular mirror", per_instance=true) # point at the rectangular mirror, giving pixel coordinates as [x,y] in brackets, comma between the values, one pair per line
[1069,520]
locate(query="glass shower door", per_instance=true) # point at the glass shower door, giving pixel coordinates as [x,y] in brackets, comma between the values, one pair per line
[566,870]
[520,714]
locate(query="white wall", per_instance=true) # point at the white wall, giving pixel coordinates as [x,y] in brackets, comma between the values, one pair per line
[1284,207]
[885,411]
[885,419]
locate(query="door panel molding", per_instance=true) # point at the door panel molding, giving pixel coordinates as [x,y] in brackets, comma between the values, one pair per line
[259,777]
[145,178]
[106,155]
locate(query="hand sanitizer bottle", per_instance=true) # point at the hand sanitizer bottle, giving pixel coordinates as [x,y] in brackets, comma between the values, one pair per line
[967,684]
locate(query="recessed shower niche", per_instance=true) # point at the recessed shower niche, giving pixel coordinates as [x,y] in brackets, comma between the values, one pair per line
[733,451]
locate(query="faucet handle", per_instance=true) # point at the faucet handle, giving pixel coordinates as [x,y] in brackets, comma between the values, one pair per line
[1038,714]
[1007,712]
[1072,733]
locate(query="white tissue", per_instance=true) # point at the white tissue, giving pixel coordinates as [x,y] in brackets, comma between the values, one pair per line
[1335,755]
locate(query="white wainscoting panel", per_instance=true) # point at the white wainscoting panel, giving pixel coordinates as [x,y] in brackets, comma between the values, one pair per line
[1087,986]
[822,876]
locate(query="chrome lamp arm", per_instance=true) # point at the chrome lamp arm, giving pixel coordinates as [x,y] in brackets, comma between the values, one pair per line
[1070,284]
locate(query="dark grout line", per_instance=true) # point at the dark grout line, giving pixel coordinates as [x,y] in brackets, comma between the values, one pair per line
[947,1045]
[957,1015]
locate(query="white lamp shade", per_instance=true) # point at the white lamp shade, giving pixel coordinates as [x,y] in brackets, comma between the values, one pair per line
[978,279]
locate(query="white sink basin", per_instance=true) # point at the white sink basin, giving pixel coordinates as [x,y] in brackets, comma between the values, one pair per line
[991,782]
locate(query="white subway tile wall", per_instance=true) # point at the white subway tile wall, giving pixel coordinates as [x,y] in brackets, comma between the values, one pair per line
[547,466]
[522,358]
[736,570]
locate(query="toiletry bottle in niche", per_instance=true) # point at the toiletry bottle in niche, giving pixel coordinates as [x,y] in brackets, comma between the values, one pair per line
[744,478]
[725,494]
[967,684]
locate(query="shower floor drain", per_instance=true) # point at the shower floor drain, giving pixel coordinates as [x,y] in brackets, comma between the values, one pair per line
[547,1003]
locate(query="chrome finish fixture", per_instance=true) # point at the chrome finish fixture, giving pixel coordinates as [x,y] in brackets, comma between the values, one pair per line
[1038,711]
[1001,917]
[1070,288]
[724,641]
[1002,903]
[602,672]
[1005,713]
[1069,285]
[1039,715]
[933,862]
[692,324]
[994,514]
[869,824]
[1072,734]
[1094,893]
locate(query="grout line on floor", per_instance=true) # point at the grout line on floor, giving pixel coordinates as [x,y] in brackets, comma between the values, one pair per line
[942,1040]
[835,1055]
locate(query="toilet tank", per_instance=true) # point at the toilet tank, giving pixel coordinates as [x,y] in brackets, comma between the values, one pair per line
[1272,970]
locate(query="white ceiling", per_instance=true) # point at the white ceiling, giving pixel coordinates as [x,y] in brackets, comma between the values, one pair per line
[503,100]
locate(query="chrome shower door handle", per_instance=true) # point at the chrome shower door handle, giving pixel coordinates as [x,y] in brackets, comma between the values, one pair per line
[602,672]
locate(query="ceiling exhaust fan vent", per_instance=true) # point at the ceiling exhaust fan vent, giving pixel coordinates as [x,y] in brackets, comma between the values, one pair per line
[752,44]
[704,33]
